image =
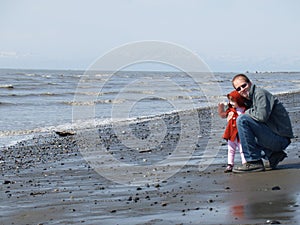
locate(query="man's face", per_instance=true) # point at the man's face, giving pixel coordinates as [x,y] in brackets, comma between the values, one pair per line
[242,87]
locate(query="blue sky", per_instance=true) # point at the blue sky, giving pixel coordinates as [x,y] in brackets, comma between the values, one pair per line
[229,35]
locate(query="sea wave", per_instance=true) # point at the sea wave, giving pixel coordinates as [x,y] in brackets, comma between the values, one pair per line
[89,103]
[26,95]
[8,86]
[84,124]
[7,104]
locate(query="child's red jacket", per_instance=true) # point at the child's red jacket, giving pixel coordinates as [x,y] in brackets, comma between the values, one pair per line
[231,131]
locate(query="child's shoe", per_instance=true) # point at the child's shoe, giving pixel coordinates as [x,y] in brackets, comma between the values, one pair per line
[228,169]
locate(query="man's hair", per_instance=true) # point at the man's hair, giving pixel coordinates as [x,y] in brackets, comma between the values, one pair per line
[246,79]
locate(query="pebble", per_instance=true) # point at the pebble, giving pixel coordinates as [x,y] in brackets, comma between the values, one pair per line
[273,222]
[7,182]
[276,188]
[163,204]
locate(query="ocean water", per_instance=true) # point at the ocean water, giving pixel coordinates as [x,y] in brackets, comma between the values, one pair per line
[37,101]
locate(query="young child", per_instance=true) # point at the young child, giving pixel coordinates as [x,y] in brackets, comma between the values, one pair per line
[236,106]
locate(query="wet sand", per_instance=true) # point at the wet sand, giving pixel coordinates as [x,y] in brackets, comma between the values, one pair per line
[48,181]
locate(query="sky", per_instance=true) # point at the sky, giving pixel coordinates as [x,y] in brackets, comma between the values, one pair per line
[228,35]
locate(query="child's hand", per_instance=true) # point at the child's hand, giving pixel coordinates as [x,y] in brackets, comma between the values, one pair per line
[221,104]
[221,110]
[229,116]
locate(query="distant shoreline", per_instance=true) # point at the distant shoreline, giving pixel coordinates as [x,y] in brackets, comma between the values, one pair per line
[108,71]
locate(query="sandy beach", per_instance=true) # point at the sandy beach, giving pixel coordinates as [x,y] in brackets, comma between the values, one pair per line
[47,180]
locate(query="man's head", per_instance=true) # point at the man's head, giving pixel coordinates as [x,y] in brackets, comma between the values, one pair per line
[242,85]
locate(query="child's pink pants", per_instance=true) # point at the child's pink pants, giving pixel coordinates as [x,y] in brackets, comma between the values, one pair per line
[232,146]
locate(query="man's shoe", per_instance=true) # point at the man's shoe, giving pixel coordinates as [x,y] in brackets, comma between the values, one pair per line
[253,166]
[275,158]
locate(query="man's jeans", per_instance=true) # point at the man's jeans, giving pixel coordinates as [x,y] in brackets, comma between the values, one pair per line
[256,137]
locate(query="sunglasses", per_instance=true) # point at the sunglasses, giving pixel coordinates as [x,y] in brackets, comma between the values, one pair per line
[242,86]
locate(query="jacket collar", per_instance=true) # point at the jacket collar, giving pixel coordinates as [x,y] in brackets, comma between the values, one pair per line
[251,92]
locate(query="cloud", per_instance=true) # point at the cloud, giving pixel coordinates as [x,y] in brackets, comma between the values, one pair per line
[230,62]
[13,54]
[8,54]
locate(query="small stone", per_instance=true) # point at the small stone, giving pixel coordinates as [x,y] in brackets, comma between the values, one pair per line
[273,222]
[276,188]
[64,133]
[163,204]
